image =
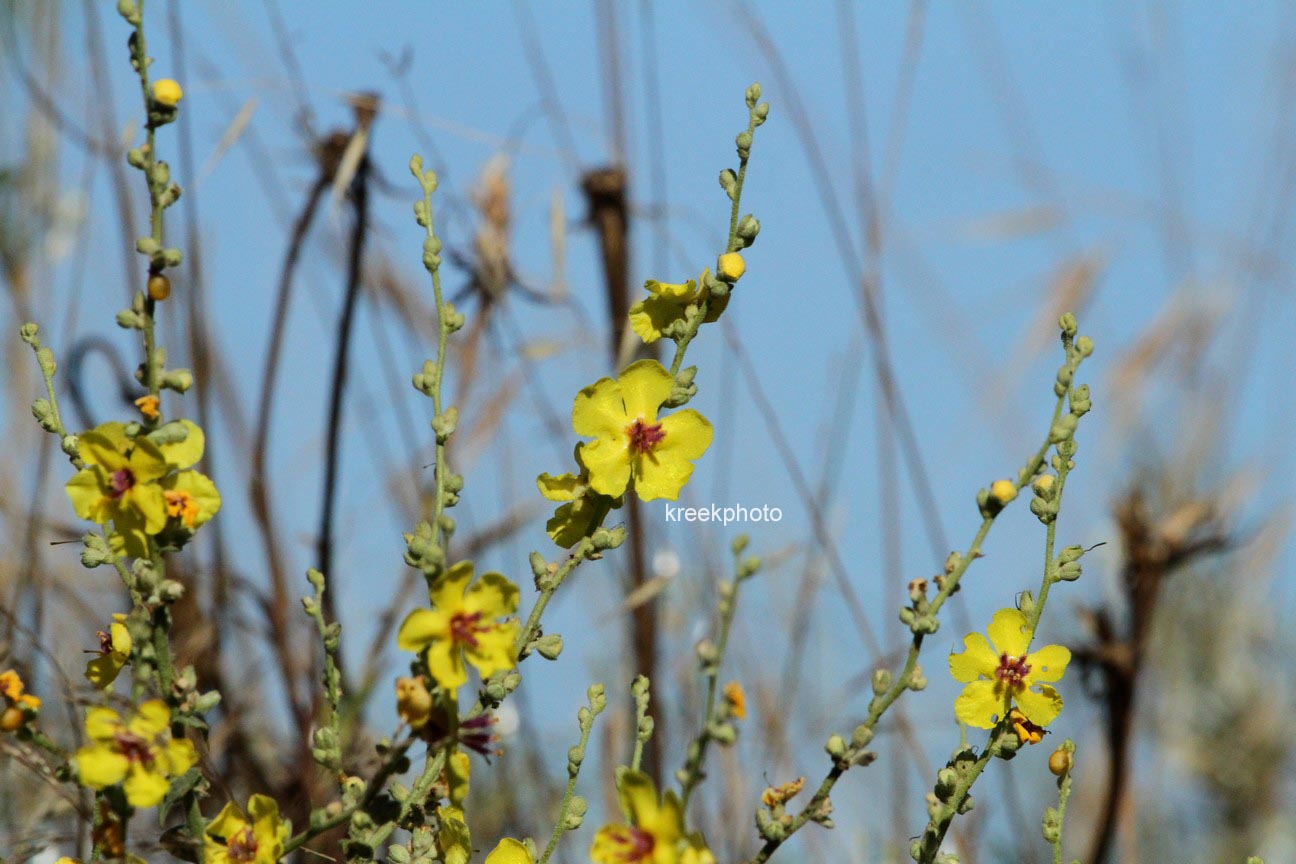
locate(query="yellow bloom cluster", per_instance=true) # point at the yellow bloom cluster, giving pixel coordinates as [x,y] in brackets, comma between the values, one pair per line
[463,623]
[142,488]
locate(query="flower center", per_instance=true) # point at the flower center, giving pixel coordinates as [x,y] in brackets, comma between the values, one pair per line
[464,628]
[645,437]
[242,847]
[133,747]
[1012,670]
[105,642]
[121,482]
[635,844]
[182,504]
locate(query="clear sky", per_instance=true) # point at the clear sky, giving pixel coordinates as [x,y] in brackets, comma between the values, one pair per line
[1004,143]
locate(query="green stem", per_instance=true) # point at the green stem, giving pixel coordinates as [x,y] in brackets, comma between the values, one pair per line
[728,607]
[438,372]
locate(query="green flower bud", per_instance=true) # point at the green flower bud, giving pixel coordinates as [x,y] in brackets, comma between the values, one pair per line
[729,182]
[549,646]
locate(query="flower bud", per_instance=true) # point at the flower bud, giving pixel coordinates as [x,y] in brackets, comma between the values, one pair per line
[167,92]
[730,267]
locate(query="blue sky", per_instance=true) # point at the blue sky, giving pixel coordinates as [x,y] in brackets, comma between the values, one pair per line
[1086,123]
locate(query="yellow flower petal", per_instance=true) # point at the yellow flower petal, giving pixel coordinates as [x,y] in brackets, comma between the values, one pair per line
[103,670]
[182,454]
[510,851]
[1008,632]
[151,719]
[420,628]
[149,501]
[447,594]
[1040,708]
[144,787]
[644,385]
[977,659]
[608,460]
[493,595]
[663,472]
[570,522]
[494,649]
[102,724]
[119,637]
[598,411]
[445,662]
[100,765]
[1048,663]
[104,445]
[89,493]
[228,822]
[179,756]
[979,704]
[560,488]
[674,290]
[146,461]
[652,315]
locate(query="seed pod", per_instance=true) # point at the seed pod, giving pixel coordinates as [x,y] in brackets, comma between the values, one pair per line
[159,287]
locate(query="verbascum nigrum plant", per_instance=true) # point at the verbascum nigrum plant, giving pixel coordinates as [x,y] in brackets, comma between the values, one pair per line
[138,769]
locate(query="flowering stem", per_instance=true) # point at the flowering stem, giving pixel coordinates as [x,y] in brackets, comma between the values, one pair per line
[140,59]
[435,375]
[727,607]
[575,756]
[956,568]
[732,244]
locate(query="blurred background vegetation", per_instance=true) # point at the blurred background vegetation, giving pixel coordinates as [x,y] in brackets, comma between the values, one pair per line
[936,184]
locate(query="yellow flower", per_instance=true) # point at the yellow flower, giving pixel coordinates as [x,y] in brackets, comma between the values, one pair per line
[777,796]
[463,622]
[413,701]
[114,653]
[1000,673]
[583,510]
[255,837]
[19,707]
[1003,491]
[655,834]
[730,267]
[119,482]
[139,751]
[630,444]
[148,406]
[736,699]
[668,303]
[167,92]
